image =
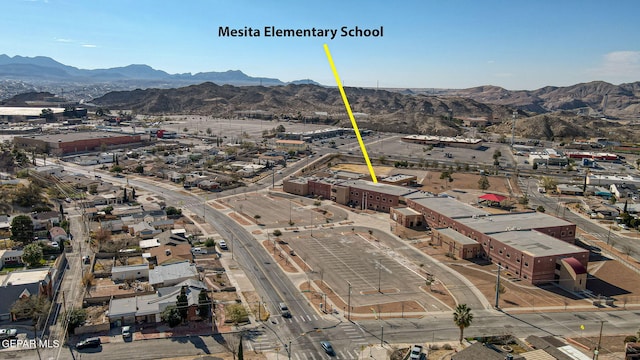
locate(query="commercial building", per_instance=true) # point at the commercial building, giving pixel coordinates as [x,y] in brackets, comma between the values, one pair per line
[76,142]
[443,141]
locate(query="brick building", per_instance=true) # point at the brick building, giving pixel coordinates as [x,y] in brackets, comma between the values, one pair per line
[77,142]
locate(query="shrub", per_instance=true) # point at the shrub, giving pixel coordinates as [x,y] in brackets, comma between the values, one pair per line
[447,347]
[630,338]
[210,243]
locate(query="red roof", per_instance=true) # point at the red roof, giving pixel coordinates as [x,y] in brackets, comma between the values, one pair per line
[577,266]
[493,197]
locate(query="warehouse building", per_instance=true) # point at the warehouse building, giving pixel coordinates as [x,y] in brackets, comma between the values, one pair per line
[77,142]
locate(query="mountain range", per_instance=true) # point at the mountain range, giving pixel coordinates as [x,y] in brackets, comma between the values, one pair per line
[37,74]
[42,73]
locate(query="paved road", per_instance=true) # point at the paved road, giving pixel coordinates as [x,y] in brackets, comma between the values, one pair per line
[554,206]
[305,329]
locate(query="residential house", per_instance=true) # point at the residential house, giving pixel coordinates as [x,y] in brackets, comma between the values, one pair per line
[168,254]
[149,308]
[129,272]
[624,191]
[209,185]
[482,351]
[148,243]
[163,224]
[5,222]
[172,274]
[57,234]
[49,170]
[155,215]
[10,257]
[45,220]
[173,237]
[114,226]
[174,176]
[20,284]
[143,230]
[555,347]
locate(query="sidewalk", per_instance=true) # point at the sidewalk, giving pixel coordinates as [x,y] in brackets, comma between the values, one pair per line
[150,332]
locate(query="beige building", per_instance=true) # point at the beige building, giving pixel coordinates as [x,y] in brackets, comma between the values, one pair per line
[298,186]
[456,244]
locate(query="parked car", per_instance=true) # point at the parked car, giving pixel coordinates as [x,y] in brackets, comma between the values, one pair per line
[222,244]
[198,250]
[326,346]
[126,332]
[8,333]
[416,352]
[91,342]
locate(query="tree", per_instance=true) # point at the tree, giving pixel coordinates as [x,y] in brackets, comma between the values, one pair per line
[32,254]
[47,114]
[77,317]
[171,316]
[548,183]
[32,307]
[483,183]
[182,303]
[171,211]
[116,169]
[139,169]
[277,232]
[236,313]
[280,128]
[133,194]
[204,304]
[28,195]
[540,209]
[22,229]
[462,317]
[209,131]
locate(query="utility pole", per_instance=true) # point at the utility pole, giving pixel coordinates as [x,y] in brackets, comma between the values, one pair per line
[498,288]
[379,276]
[513,127]
[596,352]
[349,303]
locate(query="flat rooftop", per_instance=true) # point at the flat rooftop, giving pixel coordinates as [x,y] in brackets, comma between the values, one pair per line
[406,211]
[535,243]
[27,111]
[449,207]
[458,237]
[379,187]
[513,221]
[75,136]
[25,277]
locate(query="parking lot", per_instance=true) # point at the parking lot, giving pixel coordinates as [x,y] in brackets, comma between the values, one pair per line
[343,259]
[276,211]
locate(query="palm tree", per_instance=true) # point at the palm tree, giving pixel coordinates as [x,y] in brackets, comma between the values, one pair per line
[462,317]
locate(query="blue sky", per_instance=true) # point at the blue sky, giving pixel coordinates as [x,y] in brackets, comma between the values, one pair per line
[515,44]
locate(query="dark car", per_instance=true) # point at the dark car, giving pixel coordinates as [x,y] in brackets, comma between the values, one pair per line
[92,342]
[326,346]
[284,310]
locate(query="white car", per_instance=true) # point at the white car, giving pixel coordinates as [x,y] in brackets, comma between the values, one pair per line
[8,333]
[223,244]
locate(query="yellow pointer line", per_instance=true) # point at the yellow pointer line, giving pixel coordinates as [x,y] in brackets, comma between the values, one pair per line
[353,119]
